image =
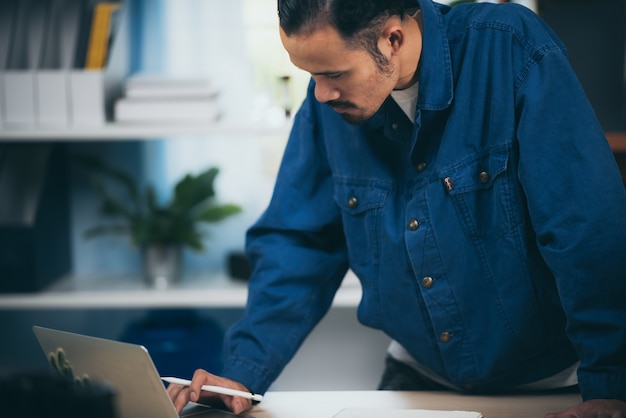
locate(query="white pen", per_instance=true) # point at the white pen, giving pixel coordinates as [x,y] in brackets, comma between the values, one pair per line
[216,389]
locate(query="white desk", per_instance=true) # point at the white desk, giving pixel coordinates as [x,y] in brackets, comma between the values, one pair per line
[328,404]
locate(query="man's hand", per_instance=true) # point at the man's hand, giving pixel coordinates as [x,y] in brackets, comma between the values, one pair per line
[595,408]
[182,395]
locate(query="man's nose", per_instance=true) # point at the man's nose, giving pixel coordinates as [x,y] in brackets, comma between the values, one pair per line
[325,92]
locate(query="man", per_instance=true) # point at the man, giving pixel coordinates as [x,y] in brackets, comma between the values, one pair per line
[449,157]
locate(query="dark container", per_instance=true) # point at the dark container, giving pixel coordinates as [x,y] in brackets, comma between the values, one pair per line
[35,247]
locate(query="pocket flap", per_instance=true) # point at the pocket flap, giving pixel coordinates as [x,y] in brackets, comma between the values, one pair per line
[356,197]
[476,173]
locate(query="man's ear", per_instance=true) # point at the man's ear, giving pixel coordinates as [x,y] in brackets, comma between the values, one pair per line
[392,37]
[396,39]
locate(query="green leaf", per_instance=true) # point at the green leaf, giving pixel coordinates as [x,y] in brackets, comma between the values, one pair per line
[193,190]
[151,199]
[97,166]
[193,240]
[218,213]
[113,207]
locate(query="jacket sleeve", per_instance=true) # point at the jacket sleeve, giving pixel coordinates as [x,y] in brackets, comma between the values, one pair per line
[577,204]
[298,259]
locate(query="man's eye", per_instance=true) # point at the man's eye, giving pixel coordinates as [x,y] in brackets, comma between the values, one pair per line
[333,76]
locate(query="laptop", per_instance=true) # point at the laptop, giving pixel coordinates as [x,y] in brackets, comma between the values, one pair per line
[139,391]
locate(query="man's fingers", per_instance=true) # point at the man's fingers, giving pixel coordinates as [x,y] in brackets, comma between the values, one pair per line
[179,396]
[237,404]
[182,395]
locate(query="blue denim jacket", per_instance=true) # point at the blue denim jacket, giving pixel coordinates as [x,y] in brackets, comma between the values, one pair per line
[489,235]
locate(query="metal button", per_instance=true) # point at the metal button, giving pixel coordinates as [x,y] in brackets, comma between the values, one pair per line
[448,183]
[353,202]
[427,282]
[394,126]
[483,177]
[414,224]
[445,337]
[421,167]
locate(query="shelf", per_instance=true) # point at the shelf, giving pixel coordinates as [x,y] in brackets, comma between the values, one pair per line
[215,291]
[617,141]
[125,131]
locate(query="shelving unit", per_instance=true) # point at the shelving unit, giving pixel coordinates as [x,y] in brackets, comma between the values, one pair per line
[130,291]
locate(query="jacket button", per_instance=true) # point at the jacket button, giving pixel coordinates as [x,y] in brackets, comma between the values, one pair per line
[445,337]
[483,177]
[421,167]
[414,224]
[353,202]
[427,282]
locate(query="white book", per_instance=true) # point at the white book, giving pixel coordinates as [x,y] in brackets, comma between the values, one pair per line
[403,413]
[138,87]
[170,110]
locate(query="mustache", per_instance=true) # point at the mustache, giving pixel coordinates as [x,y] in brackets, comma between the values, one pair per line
[338,104]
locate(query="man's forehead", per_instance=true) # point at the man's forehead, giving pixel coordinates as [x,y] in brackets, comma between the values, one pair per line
[322,49]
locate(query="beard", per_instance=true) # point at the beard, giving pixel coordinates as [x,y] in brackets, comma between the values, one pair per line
[352,118]
[357,115]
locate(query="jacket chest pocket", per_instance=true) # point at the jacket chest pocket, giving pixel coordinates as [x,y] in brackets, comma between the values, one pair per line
[361,204]
[482,194]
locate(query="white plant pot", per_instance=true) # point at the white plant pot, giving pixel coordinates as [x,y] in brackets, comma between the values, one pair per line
[162,265]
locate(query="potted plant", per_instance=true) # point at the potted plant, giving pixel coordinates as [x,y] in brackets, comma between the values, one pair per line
[160,231]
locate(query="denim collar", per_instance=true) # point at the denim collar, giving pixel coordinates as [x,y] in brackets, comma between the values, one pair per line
[436,82]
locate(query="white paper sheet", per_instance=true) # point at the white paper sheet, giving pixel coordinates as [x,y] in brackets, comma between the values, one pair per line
[403,413]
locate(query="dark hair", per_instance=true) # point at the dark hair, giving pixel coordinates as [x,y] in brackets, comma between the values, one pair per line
[358,21]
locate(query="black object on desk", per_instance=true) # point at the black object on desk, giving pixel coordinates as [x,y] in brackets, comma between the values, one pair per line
[34,216]
[238,267]
[38,394]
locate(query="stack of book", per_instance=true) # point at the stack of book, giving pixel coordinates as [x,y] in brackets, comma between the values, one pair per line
[161,99]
